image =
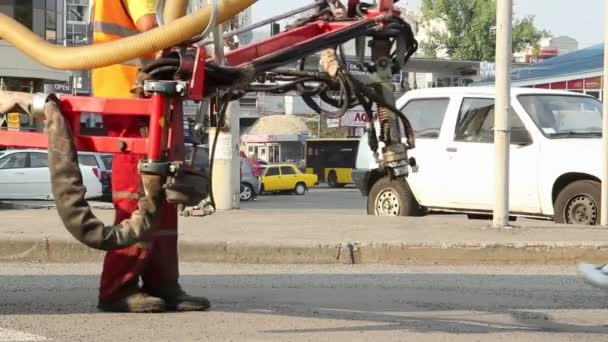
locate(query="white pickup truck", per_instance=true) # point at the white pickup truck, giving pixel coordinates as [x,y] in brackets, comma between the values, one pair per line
[555,156]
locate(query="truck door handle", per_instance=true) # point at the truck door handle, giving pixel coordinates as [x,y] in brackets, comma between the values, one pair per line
[451,149]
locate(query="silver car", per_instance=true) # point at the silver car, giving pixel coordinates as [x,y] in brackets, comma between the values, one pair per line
[250,184]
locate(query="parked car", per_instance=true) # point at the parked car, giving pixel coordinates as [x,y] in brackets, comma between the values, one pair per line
[554,167]
[287,177]
[25,175]
[250,183]
[102,167]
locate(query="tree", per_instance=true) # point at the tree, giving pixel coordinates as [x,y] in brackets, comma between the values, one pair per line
[469,29]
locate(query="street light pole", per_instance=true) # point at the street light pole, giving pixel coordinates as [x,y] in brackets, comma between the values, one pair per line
[504,46]
[604,199]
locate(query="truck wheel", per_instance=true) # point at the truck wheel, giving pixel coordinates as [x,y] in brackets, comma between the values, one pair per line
[332,179]
[390,197]
[579,203]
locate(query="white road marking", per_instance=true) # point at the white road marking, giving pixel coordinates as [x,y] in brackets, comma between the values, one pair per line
[8,335]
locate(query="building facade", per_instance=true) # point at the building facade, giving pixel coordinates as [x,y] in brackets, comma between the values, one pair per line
[79,32]
[19,72]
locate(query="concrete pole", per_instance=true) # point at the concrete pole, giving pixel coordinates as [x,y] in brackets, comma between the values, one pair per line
[504,45]
[604,200]
[227,164]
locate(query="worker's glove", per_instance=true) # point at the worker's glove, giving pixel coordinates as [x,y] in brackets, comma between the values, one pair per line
[186,186]
[137,89]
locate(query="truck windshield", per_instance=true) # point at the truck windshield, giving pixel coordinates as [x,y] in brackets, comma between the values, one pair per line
[564,116]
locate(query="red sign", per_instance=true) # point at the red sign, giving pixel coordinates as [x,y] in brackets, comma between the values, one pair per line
[593,83]
[559,85]
[575,84]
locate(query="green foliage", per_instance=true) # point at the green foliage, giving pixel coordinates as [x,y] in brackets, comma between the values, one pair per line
[471,29]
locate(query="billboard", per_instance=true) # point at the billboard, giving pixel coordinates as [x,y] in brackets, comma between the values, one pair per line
[354,119]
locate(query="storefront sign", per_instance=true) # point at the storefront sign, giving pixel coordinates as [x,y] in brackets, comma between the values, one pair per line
[593,83]
[269,138]
[559,85]
[354,119]
[575,84]
[261,138]
[60,88]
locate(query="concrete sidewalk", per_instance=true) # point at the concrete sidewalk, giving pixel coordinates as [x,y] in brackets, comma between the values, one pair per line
[315,236]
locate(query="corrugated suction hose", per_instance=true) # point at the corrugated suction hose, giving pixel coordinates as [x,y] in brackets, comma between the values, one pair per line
[115,52]
[69,191]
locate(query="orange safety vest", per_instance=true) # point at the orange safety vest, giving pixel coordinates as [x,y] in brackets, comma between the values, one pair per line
[112,22]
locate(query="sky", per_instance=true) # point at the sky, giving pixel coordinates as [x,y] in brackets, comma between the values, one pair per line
[579,19]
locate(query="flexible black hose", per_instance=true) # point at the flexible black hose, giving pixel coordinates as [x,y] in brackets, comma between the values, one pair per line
[163,72]
[160,63]
[219,125]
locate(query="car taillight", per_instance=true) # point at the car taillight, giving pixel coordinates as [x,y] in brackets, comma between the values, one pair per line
[96,172]
[104,175]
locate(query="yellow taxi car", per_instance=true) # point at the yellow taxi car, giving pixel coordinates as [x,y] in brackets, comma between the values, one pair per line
[287,177]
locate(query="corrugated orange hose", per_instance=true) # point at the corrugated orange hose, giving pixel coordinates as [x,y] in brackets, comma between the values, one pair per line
[115,52]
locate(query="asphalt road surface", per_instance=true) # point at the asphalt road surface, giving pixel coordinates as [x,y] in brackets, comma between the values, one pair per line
[343,201]
[41,302]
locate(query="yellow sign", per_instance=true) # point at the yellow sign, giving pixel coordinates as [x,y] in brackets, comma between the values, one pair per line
[13,120]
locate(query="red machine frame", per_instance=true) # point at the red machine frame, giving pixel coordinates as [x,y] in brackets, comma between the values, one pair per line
[165,112]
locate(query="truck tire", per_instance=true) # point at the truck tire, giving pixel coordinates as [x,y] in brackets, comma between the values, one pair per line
[391,197]
[579,203]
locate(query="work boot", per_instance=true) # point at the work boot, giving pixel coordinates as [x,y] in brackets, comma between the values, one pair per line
[178,300]
[133,300]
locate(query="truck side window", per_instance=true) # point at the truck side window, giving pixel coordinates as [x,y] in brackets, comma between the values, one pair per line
[426,116]
[476,121]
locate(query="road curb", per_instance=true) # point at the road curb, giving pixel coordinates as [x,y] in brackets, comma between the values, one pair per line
[464,253]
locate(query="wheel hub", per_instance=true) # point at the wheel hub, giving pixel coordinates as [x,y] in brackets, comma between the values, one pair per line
[246,193]
[581,210]
[387,203]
